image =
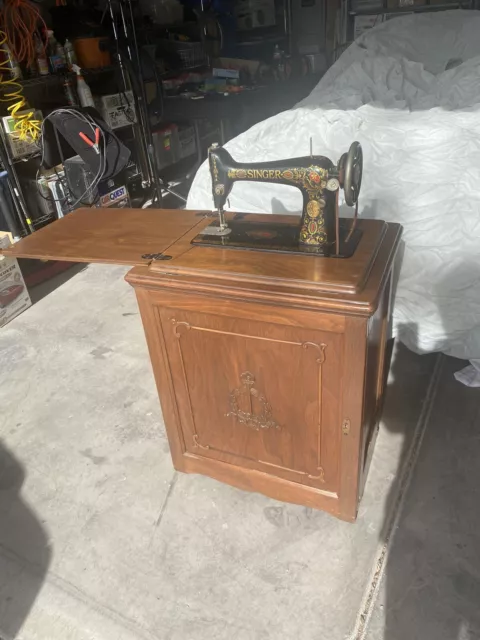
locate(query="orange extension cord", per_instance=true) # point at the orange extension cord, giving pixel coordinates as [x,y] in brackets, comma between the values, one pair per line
[19,20]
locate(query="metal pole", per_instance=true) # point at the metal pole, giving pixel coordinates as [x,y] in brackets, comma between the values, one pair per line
[143,110]
[15,186]
[140,143]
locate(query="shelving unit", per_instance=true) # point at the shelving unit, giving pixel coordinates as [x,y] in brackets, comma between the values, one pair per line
[415,8]
[56,78]
[44,92]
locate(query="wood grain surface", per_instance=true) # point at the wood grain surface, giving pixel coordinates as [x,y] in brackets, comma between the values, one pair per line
[259,387]
[116,236]
[249,283]
[316,273]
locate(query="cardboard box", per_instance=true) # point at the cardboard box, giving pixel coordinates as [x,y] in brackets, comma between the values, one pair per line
[364,23]
[401,14]
[404,4]
[117,197]
[187,142]
[247,66]
[117,109]
[20,148]
[14,296]
[366,7]
[226,73]
[166,145]
[251,14]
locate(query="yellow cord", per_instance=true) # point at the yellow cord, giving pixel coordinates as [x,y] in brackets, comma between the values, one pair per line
[26,124]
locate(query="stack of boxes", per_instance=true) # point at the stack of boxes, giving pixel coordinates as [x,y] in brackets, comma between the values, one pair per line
[117,109]
[174,143]
[14,296]
[20,148]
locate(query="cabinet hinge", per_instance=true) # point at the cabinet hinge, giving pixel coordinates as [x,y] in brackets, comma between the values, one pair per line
[156,256]
[346,427]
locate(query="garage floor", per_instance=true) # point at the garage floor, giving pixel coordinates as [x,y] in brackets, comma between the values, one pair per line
[100,539]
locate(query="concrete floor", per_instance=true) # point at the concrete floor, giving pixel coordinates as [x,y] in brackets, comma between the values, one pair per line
[100,539]
[431,584]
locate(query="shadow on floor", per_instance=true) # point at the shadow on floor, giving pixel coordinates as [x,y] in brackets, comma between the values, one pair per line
[431,588]
[25,552]
[43,289]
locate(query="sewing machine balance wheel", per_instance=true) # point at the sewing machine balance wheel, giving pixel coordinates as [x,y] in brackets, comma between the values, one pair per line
[353,173]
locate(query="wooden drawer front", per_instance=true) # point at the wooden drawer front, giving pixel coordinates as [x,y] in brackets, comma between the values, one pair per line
[257,394]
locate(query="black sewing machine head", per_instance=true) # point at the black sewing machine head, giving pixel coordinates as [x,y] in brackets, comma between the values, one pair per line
[319,232]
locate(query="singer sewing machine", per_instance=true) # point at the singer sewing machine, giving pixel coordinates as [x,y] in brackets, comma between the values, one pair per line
[320,230]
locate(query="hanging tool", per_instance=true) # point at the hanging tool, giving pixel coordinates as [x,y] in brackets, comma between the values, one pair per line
[12,91]
[20,20]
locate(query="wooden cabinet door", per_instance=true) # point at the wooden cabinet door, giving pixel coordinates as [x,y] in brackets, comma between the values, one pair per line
[257,394]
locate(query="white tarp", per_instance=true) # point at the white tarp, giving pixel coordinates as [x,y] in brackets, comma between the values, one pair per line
[409,91]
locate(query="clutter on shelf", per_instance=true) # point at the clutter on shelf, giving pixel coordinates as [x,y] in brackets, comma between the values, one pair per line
[14,297]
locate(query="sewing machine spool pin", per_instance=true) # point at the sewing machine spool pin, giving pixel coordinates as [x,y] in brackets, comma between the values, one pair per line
[320,231]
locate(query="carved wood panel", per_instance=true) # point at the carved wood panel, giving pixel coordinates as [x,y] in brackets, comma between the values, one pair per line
[257,394]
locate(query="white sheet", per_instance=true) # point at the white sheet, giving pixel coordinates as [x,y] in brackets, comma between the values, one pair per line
[419,126]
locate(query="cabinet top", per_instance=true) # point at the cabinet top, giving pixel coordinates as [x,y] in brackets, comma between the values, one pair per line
[141,237]
[114,236]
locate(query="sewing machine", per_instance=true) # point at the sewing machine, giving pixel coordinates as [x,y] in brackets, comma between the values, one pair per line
[270,364]
[320,231]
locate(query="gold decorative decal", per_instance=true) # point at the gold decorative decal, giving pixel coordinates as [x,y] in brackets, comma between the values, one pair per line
[177,324]
[220,189]
[320,347]
[313,208]
[247,391]
[312,180]
[255,174]
[196,443]
[215,168]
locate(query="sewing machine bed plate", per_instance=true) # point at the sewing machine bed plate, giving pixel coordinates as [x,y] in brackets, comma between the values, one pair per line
[258,233]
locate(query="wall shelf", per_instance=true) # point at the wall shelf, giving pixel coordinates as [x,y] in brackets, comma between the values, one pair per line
[414,8]
[53,78]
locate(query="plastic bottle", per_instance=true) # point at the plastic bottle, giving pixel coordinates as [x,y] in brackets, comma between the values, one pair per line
[278,67]
[70,93]
[60,53]
[277,55]
[42,62]
[70,55]
[56,53]
[83,90]
[51,43]
[10,63]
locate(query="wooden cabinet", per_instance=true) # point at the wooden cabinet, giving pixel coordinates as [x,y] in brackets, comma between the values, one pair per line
[270,368]
[256,394]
